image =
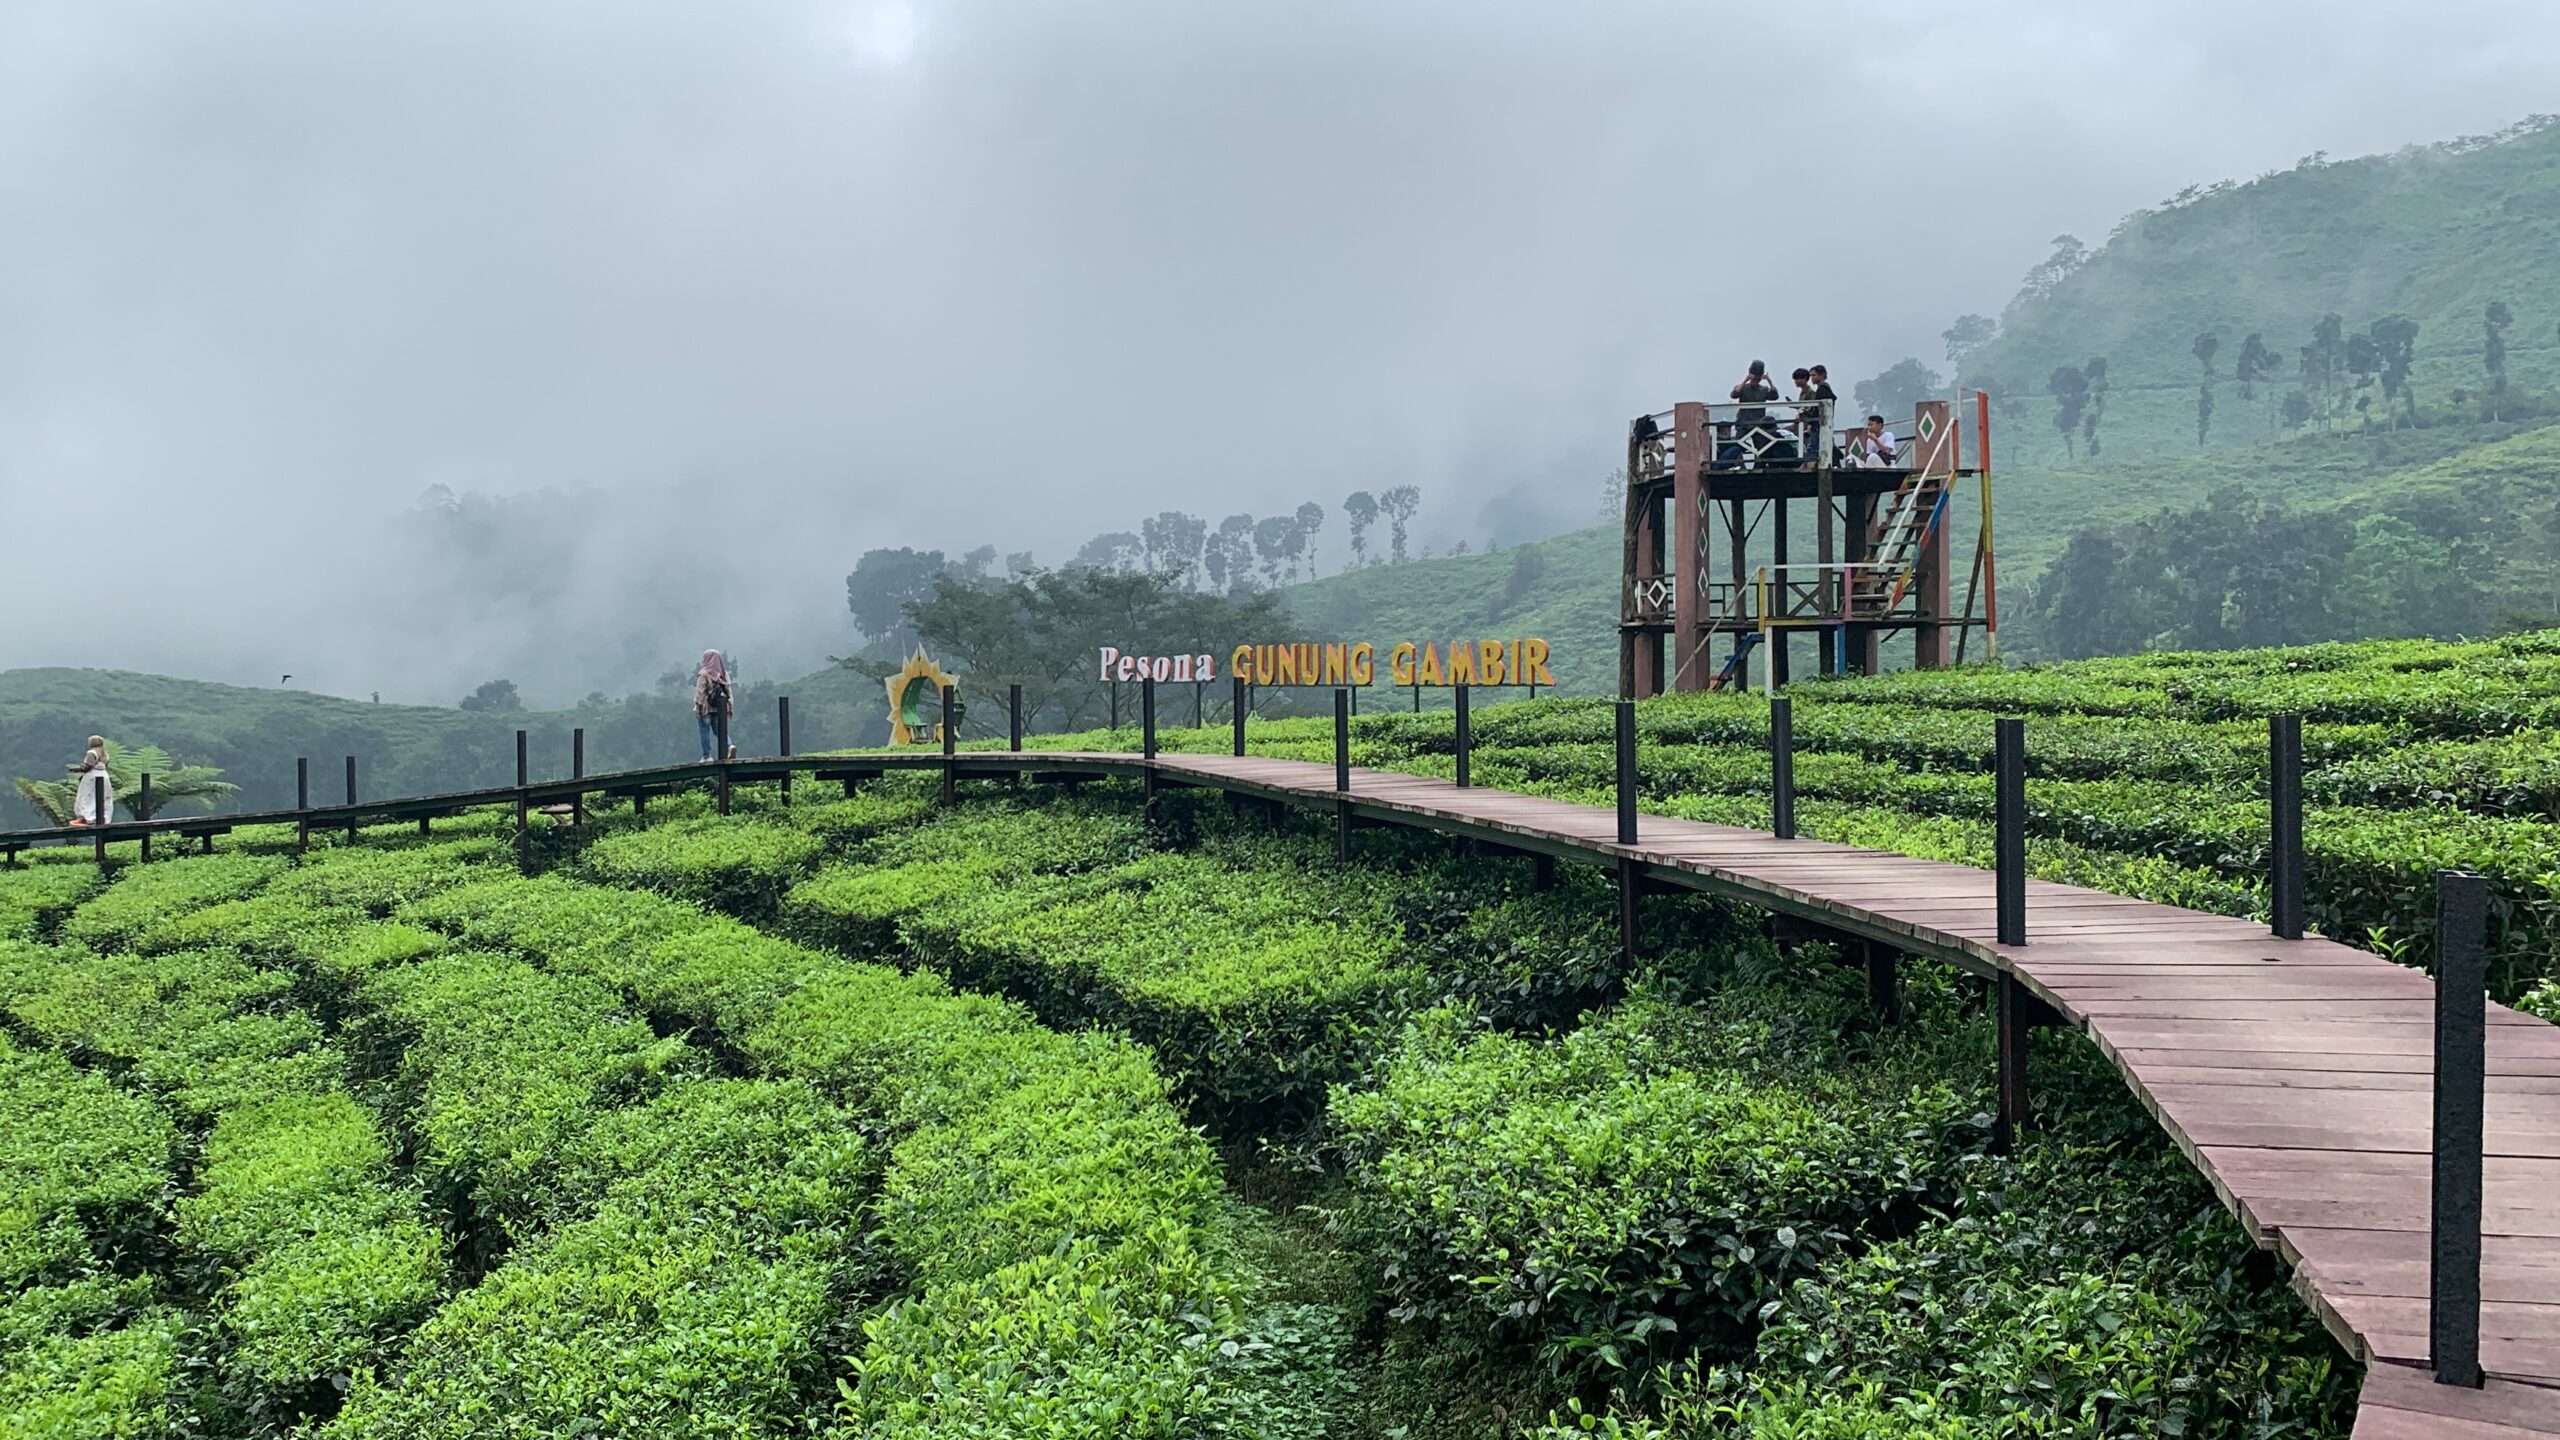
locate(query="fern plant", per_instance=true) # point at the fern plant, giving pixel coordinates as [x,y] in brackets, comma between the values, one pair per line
[172,784]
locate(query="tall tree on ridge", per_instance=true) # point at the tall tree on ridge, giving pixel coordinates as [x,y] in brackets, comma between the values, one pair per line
[2070,391]
[2493,351]
[1360,510]
[2095,372]
[2204,349]
[1310,520]
[1399,503]
[2395,342]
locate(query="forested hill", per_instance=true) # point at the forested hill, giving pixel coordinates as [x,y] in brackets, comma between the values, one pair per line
[2405,315]
[2434,236]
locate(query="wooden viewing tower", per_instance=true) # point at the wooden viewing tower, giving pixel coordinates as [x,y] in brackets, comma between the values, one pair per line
[1707,483]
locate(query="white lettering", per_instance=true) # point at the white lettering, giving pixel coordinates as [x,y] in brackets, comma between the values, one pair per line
[1109,654]
[1181,667]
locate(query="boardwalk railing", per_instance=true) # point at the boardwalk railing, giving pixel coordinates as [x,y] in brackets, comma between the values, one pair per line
[2155,1002]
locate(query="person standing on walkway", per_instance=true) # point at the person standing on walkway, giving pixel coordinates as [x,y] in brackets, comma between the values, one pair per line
[713,705]
[87,779]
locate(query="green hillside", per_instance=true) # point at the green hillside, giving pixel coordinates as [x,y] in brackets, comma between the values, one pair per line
[254,735]
[2434,233]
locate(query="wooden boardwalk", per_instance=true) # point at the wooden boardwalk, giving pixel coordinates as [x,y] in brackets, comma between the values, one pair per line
[2295,1074]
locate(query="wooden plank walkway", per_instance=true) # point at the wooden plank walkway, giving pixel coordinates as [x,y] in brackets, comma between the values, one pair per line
[2294,1074]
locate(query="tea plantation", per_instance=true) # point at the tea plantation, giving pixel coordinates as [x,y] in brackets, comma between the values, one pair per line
[1020,1117]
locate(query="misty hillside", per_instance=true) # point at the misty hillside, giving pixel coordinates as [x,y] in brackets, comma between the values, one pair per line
[2432,233]
[254,735]
[2435,234]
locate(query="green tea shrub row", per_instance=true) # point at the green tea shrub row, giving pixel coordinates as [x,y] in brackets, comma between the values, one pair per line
[1648,1184]
[93,1357]
[706,1250]
[144,895]
[2370,872]
[1249,982]
[1055,1220]
[738,865]
[317,1256]
[85,1167]
[85,1181]
[497,1066]
[2090,1285]
[33,898]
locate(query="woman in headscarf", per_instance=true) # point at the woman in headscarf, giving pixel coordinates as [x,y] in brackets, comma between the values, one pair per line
[712,703]
[88,778]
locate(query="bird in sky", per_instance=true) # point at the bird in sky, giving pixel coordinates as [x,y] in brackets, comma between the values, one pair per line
[284,679]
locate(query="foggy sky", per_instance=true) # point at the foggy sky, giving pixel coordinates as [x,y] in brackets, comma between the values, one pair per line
[797,279]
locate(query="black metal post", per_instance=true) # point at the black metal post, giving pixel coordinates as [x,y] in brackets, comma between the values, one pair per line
[1013,717]
[1342,740]
[143,813]
[1782,768]
[1341,774]
[1199,703]
[351,799]
[1147,749]
[720,735]
[2284,824]
[1884,982]
[1630,890]
[1115,707]
[301,802]
[1242,707]
[2014,1018]
[578,771]
[524,774]
[105,811]
[2461,1061]
[1626,772]
[2009,840]
[1466,737]
[782,716]
[951,740]
[1417,697]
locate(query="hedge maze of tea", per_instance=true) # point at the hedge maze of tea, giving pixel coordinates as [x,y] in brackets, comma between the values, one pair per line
[1022,1116]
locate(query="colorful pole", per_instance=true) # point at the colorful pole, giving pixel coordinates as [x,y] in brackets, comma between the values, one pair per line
[1990,567]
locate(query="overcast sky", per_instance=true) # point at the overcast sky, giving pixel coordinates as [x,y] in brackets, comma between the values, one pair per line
[937,273]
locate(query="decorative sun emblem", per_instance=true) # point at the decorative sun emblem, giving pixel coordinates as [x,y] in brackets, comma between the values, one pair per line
[915,711]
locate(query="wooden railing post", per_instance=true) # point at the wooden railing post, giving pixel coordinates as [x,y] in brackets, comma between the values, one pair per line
[2461,1066]
[1242,708]
[720,737]
[1147,750]
[302,802]
[578,771]
[524,844]
[1626,772]
[2013,1017]
[351,799]
[2284,824]
[2009,839]
[951,744]
[1341,774]
[783,718]
[142,811]
[1782,768]
[1466,736]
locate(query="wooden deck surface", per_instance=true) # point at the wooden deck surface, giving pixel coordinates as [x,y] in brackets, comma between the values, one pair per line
[2296,1075]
